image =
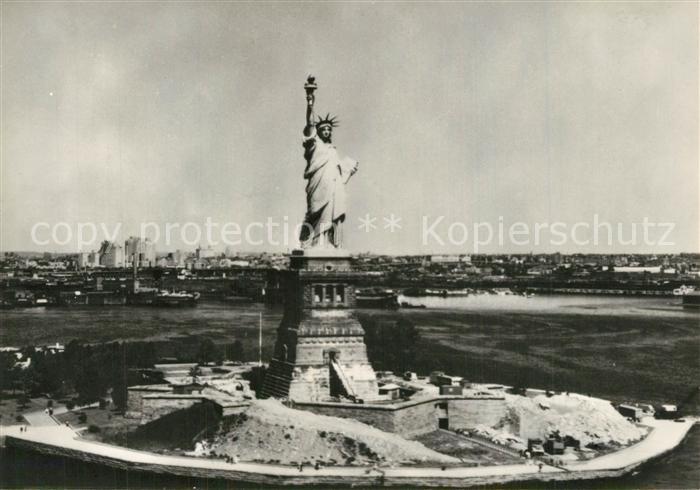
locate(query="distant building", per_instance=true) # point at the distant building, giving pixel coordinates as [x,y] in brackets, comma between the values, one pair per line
[88,260]
[178,259]
[196,264]
[233,263]
[639,269]
[540,270]
[450,259]
[111,255]
[170,260]
[205,253]
[141,251]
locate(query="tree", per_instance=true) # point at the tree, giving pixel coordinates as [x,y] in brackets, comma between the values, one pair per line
[90,383]
[391,345]
[29,381]
[208,352]
[50,371]
[8,372]
[234,351]
[120,395]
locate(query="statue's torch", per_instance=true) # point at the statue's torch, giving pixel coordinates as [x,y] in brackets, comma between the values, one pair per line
[310,86]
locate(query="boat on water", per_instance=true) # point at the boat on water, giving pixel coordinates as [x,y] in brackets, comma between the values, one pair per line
[405,304]
[377,298]
[175,298]
[683,290]
[444,293]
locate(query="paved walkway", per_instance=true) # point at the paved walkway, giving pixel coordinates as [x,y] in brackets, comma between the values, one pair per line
[62,436]
[40,419]
[664,436]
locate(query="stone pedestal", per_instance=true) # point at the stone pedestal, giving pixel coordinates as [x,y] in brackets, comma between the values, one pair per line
[320,351]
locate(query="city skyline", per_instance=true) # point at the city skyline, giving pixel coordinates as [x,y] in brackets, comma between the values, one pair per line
[175,113]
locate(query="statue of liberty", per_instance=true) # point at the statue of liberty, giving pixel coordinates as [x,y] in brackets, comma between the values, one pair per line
[326,174]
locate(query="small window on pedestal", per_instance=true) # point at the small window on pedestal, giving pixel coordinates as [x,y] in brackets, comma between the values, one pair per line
[318,294]
[328,297]
[340,294]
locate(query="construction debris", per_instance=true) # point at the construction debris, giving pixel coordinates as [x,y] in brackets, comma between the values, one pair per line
[590,421]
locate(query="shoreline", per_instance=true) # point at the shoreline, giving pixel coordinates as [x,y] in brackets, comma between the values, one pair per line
[60,440]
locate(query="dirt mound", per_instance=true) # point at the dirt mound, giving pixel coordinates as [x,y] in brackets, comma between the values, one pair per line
[589,420]
[271,432]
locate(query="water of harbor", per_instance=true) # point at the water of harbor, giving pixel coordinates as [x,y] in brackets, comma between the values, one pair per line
[560,304]
[622,348]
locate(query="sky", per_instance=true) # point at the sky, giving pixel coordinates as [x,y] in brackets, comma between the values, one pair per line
[463,116]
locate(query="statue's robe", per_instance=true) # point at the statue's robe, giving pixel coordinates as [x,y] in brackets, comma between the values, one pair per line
[326,173]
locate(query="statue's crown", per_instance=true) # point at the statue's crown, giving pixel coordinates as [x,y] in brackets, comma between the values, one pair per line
[329,120]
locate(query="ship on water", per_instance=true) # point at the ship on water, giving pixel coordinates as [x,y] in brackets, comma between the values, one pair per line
[377,298]
[176,298]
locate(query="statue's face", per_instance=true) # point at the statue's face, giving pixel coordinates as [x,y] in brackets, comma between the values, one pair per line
[325,133]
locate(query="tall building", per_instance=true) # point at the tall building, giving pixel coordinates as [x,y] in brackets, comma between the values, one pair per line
[88,260]
[141,251]
[178,258]
[205,253]
[111,255]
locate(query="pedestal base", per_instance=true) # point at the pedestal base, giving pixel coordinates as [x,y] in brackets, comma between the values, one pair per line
[320,351]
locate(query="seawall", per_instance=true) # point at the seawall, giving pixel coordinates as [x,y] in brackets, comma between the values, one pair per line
[61,441]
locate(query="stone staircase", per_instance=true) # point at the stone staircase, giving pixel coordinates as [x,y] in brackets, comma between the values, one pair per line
[337,371]
[278,378]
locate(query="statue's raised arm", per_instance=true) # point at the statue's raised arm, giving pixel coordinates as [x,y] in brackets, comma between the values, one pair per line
[310,86]
[326,174]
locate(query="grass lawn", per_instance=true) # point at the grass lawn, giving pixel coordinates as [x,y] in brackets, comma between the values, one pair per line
[471,453]
[110,423]
[11,408]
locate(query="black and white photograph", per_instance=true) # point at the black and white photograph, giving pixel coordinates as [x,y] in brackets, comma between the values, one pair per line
[304,244]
